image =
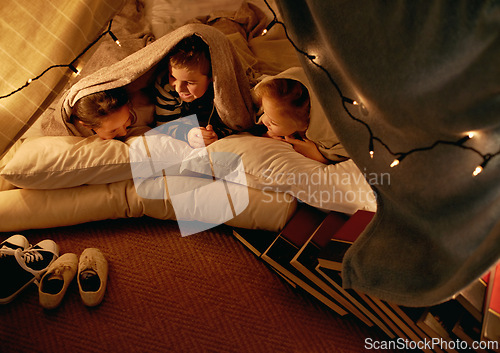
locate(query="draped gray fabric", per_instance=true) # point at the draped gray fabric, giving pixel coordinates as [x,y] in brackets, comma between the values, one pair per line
[423,72]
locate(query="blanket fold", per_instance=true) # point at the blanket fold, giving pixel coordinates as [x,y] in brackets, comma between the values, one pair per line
[231,87]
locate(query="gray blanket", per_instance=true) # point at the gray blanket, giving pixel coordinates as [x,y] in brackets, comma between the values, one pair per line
[231,88]
[423,72]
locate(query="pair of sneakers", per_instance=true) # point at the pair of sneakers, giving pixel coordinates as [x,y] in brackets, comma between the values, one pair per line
[92,269]
[22,264]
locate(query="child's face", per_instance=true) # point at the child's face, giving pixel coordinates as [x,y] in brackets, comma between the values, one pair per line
[114,124]
[189,84]
[276,120]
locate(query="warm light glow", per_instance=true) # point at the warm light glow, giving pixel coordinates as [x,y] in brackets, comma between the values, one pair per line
[118,43]
[264,32]
[470,134]
[478,170]
[395,163]
[371,154]
[30,80]
[350,101]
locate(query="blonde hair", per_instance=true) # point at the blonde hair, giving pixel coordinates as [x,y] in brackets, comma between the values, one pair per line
[191,53]
[291,95]
[91,109]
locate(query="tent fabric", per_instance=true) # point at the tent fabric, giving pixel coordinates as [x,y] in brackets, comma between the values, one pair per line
[425,74]
[40,35]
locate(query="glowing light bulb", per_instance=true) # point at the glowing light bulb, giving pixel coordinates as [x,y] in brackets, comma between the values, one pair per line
[394,163]
[29,81]
[269,26]
[477,171]
[350,101]
[470,134]
[115,39]
[371,154]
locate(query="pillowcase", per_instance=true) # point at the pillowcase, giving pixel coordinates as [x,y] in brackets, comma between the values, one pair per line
[274,165]
[54,162]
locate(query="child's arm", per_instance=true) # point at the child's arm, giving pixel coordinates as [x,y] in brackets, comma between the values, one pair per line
[307,148]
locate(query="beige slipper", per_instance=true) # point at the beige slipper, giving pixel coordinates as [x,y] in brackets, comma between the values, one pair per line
[92,276]
[56,280]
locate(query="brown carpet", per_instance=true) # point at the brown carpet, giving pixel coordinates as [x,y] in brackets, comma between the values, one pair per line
[201,293]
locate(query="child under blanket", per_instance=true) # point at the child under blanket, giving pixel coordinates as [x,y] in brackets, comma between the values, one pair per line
[232,100]
[108,113]
[186,88]
[292,114]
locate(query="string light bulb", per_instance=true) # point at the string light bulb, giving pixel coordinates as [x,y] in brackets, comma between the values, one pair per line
[371,149]
[269,26]
[74,69]
[350,101]
[115,38]
[398,160]
[478,170]
[481,167]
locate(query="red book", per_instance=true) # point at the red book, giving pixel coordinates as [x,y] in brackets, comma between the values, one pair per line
[350,231]
[332,254]
[491,321]
[302,225]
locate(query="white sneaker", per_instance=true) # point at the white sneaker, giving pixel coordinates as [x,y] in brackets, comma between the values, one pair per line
[19,267]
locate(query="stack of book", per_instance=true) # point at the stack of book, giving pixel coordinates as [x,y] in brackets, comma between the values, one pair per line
[308,254]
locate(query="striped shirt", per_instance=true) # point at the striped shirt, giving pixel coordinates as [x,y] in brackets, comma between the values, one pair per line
[170,108]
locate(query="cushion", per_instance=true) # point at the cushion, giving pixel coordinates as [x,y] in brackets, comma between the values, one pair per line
[272,166]
[54,162]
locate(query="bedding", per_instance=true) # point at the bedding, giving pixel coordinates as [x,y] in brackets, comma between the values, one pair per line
[22,209]
[60,180]
[53,162]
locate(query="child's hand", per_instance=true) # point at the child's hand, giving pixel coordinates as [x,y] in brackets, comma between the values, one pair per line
[306,148]
[201,137]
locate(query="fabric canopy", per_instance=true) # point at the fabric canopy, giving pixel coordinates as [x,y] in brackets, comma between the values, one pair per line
[39,40]
[425,74]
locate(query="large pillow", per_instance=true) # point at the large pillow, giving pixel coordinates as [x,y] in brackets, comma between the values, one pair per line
[274,165]
[54,162]
[57,162]
[22,209]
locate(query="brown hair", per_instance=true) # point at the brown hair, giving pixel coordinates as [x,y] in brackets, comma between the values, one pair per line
[191,53]
[92,108]
[291,95]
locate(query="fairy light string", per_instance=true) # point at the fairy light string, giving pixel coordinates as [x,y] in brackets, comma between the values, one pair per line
[398,156]
[71,65]
[346,101]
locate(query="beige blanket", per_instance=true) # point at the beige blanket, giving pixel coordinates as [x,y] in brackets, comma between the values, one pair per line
[232,90]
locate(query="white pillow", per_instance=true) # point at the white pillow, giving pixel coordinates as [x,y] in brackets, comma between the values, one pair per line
[274,165]
[54,162]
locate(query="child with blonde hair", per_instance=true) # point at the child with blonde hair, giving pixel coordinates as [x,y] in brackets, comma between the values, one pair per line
[290,116]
